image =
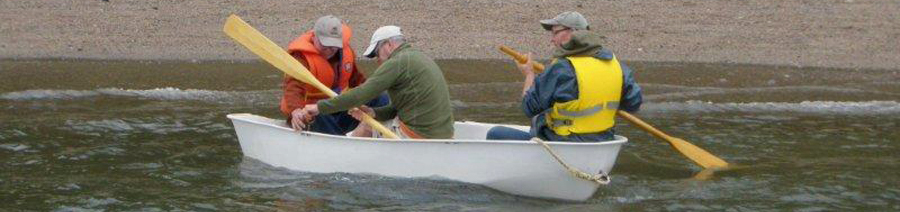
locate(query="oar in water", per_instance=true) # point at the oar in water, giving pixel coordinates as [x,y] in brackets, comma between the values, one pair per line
[695,153]
[256,42]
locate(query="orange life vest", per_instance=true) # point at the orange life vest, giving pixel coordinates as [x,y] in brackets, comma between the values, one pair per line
[321,68]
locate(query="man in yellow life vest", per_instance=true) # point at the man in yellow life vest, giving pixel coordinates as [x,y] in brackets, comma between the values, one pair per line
[577,96]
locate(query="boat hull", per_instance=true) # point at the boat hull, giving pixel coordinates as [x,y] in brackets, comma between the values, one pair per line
[518,167]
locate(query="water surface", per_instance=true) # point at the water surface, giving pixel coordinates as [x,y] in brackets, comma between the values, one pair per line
[152,136]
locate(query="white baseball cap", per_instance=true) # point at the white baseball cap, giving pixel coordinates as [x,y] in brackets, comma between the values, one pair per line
[380,34]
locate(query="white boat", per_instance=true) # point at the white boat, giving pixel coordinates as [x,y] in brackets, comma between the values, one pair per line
[517,167]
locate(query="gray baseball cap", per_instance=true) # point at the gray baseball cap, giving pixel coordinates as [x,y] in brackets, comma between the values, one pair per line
[328,30]
[570,19]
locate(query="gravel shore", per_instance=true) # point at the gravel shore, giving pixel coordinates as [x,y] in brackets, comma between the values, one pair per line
[856,34]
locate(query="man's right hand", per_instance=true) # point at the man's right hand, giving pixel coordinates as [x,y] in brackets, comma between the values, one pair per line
[358,112]
[526,67]
[528,71]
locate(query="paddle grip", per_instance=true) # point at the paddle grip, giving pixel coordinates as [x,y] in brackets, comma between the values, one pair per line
[538,67]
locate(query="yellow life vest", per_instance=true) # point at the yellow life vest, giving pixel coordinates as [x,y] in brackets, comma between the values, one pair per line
[599,91]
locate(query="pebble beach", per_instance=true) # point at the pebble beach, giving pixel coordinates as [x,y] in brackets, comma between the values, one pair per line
[850,34]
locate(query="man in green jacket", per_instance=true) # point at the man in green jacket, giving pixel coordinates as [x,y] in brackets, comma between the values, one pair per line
[419,95]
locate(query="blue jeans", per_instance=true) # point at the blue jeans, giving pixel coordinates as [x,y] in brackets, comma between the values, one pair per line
[340,123]
[506,133]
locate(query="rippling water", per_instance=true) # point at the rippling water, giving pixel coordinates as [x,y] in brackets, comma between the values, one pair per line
[152,136]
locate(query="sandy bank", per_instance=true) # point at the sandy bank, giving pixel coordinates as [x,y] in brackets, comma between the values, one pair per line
[862,34]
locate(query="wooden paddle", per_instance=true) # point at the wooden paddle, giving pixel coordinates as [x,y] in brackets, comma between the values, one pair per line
[256,42]
[695,153]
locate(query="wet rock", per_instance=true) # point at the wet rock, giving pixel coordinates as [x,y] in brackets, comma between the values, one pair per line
[68,187]
[92,202]
[138,166]
[14,147]
[180,183]
[205,206]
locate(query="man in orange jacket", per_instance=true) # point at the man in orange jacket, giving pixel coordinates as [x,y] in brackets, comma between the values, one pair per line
[325,51]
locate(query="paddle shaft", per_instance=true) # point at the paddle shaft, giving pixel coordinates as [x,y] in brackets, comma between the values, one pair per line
[696,154]
[256,42]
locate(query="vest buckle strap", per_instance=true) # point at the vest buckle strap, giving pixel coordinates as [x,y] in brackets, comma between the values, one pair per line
[580,113]
[610,105]
[561,122]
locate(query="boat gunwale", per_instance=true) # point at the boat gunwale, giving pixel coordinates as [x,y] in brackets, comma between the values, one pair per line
[237,116]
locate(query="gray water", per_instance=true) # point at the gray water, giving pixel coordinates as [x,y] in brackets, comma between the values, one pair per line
[81,135]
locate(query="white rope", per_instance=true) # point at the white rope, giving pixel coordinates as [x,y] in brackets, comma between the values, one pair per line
[600,178]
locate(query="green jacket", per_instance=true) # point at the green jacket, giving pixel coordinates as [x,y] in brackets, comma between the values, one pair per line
[419,94]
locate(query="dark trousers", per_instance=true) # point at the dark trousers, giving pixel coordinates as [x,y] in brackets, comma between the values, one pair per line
[506,133]
[340,123]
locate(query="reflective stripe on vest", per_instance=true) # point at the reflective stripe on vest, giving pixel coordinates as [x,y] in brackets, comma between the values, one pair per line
[599,91]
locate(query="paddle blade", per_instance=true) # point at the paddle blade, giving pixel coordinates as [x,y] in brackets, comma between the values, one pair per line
[697,154]
[260,45]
